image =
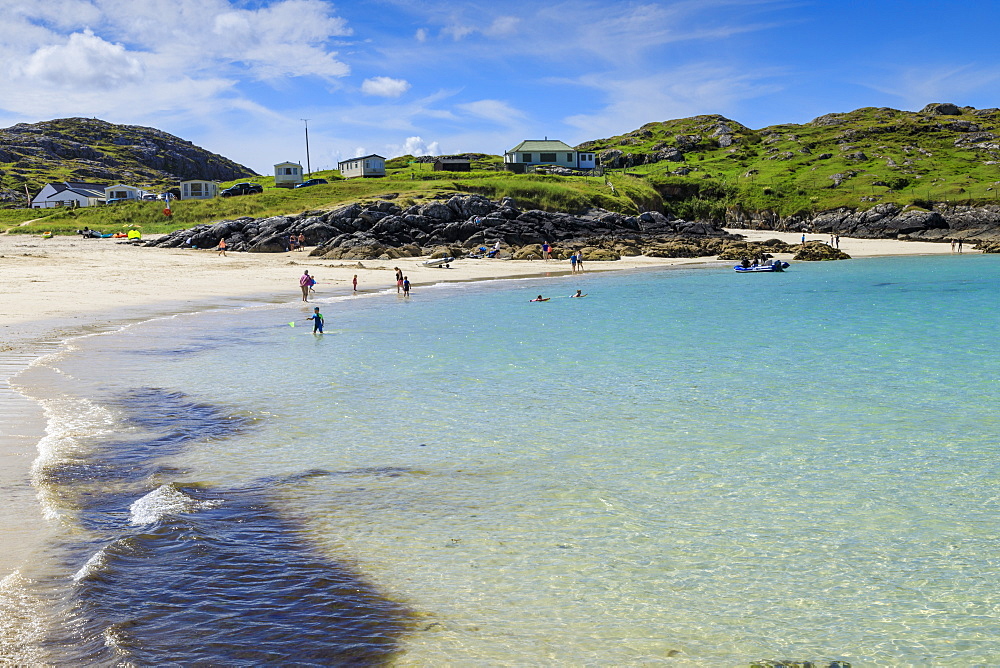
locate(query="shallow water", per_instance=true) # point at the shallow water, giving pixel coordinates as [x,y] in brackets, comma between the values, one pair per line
[687,464]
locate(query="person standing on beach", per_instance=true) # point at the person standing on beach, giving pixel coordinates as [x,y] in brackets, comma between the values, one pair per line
[355,282]
[572,263]
[803,238]
[317,319]
[952,245]
[302,240]
[579,261]
[546,250]
[305,283]
[959,245]
[222,247]
[399,280]
[406,286]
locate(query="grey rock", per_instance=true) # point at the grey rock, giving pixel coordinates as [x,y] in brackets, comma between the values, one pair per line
[941,109]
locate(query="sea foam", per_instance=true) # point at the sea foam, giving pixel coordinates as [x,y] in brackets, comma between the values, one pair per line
[166,500]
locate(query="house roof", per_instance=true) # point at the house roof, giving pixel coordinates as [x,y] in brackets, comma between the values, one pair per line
[85,192]
[282,164]
[78,187]
[364,157]
[82,185]
[540,145]
[452,159]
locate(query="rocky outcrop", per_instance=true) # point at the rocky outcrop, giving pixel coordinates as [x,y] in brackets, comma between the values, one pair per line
[88,149]
[885,221]
[941,109]
[384,230]
[815,251]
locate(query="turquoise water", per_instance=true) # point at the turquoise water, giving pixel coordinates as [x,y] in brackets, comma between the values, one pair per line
[688,465]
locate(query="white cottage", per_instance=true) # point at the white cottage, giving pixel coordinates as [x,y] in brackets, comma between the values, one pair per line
[199,189]
[69,193]
[287,174]
[367,166]
[122,192]
[549,152]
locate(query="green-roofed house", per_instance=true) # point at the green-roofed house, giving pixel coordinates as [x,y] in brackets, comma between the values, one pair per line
[547,152]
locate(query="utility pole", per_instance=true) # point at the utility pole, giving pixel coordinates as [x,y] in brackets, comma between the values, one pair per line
[308,166]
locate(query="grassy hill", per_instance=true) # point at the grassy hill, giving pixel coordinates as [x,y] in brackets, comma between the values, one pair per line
[94,151]
[407,183]
[854,159]
[696,168]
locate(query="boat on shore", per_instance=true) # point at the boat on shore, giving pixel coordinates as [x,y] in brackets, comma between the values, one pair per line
[439,262]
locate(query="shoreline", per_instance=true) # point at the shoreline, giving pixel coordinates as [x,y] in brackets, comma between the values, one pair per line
[90,287]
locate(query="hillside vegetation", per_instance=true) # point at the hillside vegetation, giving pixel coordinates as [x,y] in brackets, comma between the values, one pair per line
[95,151]
[706,164]
[406,184]
[699,168]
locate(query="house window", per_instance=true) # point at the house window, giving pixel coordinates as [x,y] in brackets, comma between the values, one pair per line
[547,157]
[119,194]
[525,157]
[569,157]
[196,189]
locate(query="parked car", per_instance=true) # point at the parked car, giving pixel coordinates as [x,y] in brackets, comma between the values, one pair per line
[149,197]
[310,182]
[116,200]
[242,189]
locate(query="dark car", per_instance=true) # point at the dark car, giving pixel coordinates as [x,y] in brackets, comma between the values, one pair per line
[242,189]
[310,182]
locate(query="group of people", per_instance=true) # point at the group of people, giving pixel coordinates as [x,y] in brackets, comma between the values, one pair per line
[296,242]
[956,245]
[576,262]
[761,259]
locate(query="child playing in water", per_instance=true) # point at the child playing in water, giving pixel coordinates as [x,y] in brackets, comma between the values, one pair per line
[317,319]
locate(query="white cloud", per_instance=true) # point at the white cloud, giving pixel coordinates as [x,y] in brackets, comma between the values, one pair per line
[458,31]
[284,39]
[421,34]
[414,146]
[502,26]
[385,86]
[85,61]
[493,110]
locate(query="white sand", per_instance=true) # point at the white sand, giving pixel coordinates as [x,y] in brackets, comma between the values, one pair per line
[54,286]
[64,284]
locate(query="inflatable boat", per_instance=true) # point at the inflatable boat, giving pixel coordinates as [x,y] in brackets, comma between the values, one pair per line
[774,266]
[439,262]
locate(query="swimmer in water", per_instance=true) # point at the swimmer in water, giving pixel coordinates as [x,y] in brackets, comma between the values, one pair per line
[579,293]
[540,298]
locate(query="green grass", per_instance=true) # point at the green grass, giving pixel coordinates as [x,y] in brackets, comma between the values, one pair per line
[552,193]
[909,159]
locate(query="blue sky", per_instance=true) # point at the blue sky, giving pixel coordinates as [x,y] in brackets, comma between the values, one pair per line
[447,76]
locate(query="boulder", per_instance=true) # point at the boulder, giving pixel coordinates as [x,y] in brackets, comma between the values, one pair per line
[817,250]
[591,254]
[941,109]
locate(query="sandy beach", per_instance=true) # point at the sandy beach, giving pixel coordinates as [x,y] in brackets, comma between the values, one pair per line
[61,287]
